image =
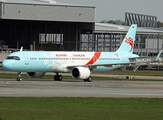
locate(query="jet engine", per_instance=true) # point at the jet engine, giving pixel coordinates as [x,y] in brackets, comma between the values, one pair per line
[36,74]
[80,73]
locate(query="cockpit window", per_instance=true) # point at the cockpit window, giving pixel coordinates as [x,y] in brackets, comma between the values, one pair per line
[13,57]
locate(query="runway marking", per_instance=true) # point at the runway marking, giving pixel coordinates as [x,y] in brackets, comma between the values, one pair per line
[16,88]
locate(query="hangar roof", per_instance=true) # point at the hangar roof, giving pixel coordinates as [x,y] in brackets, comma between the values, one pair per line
[46,10]
[112,28]
[41,2]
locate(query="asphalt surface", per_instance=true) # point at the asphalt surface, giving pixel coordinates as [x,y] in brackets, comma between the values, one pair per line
[78,88]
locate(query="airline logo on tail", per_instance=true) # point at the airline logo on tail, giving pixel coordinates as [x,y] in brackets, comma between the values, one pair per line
[130,42]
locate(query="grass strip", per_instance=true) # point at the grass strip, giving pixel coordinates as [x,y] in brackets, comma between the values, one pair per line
[57,108]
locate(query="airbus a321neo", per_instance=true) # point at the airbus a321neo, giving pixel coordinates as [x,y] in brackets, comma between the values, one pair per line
[79,64]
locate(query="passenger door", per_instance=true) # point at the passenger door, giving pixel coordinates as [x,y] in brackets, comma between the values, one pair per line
[26,59]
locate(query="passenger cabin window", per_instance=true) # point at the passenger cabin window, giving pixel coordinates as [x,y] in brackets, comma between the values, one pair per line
[13,58]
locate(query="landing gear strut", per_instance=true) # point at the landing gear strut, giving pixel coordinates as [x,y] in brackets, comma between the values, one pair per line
[88,80]
[19,78]
[57,77]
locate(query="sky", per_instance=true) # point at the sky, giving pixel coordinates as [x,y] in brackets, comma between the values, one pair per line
[115,9]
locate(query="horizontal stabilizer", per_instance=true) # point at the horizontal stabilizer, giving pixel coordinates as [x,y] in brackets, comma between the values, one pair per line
[146,59]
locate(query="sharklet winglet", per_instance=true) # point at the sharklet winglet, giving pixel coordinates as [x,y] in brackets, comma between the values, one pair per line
[158,55]
[21,49]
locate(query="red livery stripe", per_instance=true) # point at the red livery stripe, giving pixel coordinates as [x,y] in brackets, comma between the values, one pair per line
[94,58]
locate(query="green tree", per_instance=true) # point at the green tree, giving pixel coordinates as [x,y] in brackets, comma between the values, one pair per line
[159,24]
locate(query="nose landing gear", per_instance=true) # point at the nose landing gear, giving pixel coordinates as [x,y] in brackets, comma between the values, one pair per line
[19,78]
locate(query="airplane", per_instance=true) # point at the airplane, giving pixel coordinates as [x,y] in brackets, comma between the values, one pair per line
[79,64]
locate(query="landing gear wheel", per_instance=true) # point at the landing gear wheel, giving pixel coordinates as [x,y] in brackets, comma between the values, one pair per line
[58,77]
[85,80]
[88,80]
[19,79]
[55,77]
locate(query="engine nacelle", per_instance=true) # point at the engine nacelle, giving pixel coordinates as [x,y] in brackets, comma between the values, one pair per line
[80,73]
[36,74]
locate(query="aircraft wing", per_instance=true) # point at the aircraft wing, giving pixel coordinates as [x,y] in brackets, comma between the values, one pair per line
[110,64]
[96,65]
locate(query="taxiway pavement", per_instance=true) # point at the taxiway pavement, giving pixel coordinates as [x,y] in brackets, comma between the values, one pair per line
[78,88]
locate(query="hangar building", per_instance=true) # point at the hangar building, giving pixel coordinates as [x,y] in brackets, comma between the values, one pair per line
[43,24]
[49,25]
[108,37]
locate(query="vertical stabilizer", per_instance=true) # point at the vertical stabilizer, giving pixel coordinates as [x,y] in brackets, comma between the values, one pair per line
[128,42]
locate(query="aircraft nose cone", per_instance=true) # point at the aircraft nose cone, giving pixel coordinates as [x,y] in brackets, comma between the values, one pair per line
[5,65]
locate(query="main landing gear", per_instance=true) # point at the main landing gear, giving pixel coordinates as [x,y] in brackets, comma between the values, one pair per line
[88,80]
[57,77]
[19,78]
